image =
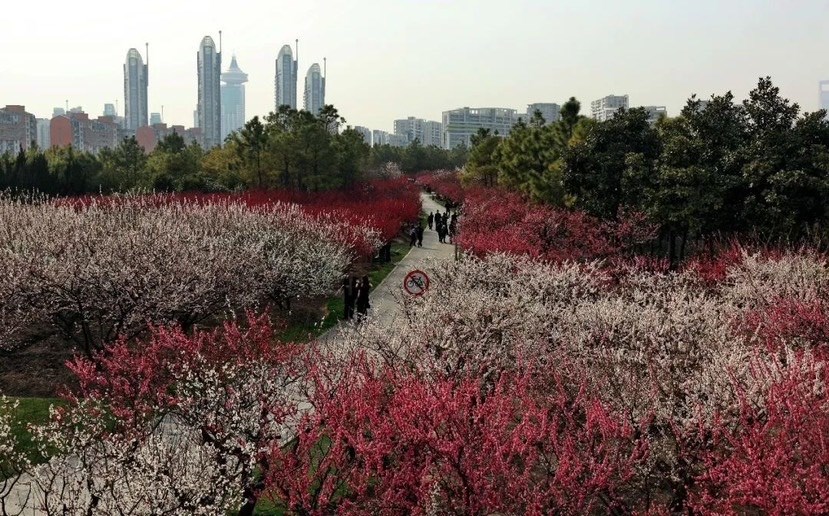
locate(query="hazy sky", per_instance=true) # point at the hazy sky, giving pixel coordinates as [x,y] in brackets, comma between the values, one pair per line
[396,58]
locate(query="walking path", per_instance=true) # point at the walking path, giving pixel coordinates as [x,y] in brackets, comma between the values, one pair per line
[385,302]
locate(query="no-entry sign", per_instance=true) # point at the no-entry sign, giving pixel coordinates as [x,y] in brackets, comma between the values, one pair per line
[416,283]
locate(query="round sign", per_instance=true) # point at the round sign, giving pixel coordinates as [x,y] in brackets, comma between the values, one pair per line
[416,283]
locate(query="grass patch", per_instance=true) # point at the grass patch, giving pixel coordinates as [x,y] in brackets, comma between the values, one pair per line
[335,306]
[31,411]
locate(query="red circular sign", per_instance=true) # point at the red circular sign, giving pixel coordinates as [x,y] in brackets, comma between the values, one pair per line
[416,283]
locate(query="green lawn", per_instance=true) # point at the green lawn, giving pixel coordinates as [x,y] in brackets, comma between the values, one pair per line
[30,411]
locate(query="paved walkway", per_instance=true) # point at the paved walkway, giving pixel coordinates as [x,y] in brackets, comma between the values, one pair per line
[385,299]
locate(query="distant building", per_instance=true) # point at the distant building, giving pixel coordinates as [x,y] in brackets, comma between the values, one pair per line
[155,118]
[549,111]
[459,125]
[606,108]
[286,78]
[109,110]
[314,96]
[432,133]
[655,113]
[398,140]
[410,129]
[823,98]
[135,91]
[379,137]
[365,132]
[149,136]
[44,141]
[75,129]
[209,64]
[18,129]
[233,98]
[58,111]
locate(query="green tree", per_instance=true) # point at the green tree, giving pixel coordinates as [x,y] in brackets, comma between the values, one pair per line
[251,142]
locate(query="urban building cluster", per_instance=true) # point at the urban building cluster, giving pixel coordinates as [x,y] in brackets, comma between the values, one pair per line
[458,126]
[221,110]
[220,106]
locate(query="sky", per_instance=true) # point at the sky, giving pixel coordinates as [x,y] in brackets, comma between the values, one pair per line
[396,58]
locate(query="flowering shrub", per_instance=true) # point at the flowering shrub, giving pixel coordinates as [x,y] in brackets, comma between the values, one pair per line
[180,425]
[445,183]
[497,221]
[106,270]
[365,216]
[390,442]
[776,459]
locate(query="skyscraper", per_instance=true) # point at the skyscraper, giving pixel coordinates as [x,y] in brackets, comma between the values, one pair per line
[314,98]
[286,77]
[136,76]
[233,98]
[209,64]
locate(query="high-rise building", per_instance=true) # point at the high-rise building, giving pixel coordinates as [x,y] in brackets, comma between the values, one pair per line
[379,137]
[459,125]
[655,113]
[432,133]
[314,97]
[109,110]
[233,98]
[58,111]
[365,132]
[18,129]
[410,129]
[155,118]
[550,112]
[209,64]
[136,76]
[606,108]
[286,77]
[44,141]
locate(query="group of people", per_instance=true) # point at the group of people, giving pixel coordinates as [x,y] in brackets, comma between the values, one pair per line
[416,235]
[355,295]
[445,225]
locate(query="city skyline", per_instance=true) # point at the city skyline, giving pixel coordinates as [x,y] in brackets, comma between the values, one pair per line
[657,54]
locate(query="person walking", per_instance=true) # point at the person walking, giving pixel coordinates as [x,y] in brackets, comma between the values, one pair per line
[430,219]
[362,298]
[412,236]
[420,235]
[441,233]
[349,297]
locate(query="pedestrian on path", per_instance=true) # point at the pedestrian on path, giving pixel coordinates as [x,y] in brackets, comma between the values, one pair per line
[430,219]
[412,236]
[362,298]
[349,297]
[420,235]
[441,233]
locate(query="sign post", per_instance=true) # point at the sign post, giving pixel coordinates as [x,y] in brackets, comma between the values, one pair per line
[416,283]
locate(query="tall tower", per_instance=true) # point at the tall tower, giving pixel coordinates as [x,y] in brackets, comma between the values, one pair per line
[135,90]
[286,77]
[314,98]
[209,64]
[233,98]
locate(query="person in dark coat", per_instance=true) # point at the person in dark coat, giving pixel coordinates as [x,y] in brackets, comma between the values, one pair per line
[420,236]
[362,297]
[349,297]
[430,219]
[441,233]
[412,236]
